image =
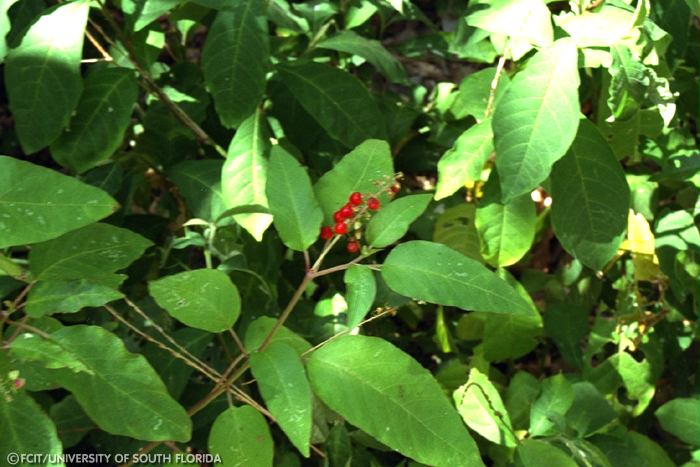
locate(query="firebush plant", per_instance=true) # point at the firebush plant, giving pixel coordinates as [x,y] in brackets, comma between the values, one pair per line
[350,232]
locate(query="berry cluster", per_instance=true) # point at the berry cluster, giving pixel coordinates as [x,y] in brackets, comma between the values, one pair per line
[348,215]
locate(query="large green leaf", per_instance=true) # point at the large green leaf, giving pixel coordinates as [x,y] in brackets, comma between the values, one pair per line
[681,417]
[120,380]
[536,121]
[199,181]
[42,75]
[296,213]
[359,170]
[242,438]
[371,50]
[465,160]
[202,298]
[282,382]
[438,274]
[29,347]
[94,252]
[97,128]
[590,411]
[27,430]
[388,395]
[474,92]
[38,204]
[235,60]
[590,199]
[361,290]
[547,412]
[244,175]
[393,220]
[338,101]
[482,409]
[631,449]
[506,229]
[48,297]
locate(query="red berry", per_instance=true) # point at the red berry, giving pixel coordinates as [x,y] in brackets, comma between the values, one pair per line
[373,203]
[19,383]
[353,246]
[338,216]
[347,211]
[341,228]
[326,233]
[356,198]
[395,187]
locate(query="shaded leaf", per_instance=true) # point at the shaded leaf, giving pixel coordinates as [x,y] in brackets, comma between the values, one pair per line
[361,289]
[241,437]
[392,221]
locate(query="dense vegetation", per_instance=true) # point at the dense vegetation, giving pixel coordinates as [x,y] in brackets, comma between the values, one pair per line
[350,232]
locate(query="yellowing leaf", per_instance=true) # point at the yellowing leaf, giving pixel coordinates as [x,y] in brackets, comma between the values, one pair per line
[641,244]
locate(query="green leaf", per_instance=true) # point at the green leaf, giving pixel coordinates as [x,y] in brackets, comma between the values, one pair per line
[94,252]
[371,50]
[202,298]
[681,418]
[628,84]
[244,175]
[532,452]
[482,409]
[388,395]
[147,11]
[474,91]
[235,60]
[590,411]
[296,213]
[437,274]
[5,26]
[39,204]
[32,348]
[103,114]
[120,379]
[506,229]
[536,121]
[464,161]
[392,221]
[261,327]
[361,289]
[359,170]
[522,392]
[338,101]
[241,437]
[49,297]
[199,181]
[71,421]
[52,47]
[455,228]
[27,430]
[282,382]
[533,28]
[590,199]
[632,449]
[547,412]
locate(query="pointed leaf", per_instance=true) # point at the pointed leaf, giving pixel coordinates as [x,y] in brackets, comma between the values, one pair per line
[531,453]
[464,162]
[241,437]
[338,101]
[438,274]
[681,418]
[388,395]
[361,290]
[536,121]
[282,382]
[393,220]
[202,298]
[359,170]
[38,204]
[244,175]
[51,48]
[590,199]
[235,60]
[121,379]
[94,252]
[199,181]
[547,412]
[97,128]
[296,213]
[506,229]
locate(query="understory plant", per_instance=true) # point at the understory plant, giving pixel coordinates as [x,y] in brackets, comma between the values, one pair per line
[349,233]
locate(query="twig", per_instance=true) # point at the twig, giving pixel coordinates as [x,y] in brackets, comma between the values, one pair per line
[494,85]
